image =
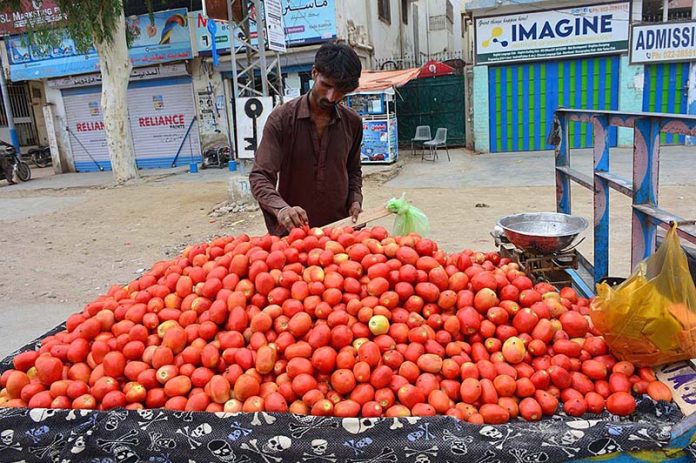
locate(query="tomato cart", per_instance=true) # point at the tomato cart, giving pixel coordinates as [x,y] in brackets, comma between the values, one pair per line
[188,431]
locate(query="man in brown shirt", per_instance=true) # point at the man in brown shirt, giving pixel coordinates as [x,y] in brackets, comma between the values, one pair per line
[310,149]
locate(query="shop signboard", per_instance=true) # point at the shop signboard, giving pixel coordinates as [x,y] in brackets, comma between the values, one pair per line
[537,35]
[163,38]
[376,146]
[275,34]
[144,73]
[309,21]
[30,13]
[305,22]
[663,42]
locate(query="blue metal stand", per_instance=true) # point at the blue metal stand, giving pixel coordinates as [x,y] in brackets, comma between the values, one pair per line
[643,188]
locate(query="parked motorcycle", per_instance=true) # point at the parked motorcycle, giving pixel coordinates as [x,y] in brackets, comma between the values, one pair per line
[217,156]
[11,165]
[41,156]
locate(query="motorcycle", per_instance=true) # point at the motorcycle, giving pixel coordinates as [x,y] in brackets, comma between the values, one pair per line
[217,156]
[12,165]
[41,156]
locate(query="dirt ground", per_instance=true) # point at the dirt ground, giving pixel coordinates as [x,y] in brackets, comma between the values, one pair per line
[58,259]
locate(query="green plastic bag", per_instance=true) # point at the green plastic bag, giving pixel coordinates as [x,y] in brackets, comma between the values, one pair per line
[409,219]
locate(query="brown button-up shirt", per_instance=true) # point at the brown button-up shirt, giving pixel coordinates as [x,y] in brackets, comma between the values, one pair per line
[322,176]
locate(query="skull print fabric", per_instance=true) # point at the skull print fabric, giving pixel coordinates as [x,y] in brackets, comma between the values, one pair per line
[163,436]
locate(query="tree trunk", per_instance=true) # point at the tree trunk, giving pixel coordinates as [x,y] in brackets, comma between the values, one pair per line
[115,70]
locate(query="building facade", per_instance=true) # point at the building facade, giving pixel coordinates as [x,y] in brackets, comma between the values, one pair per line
[533,57]
[180,102]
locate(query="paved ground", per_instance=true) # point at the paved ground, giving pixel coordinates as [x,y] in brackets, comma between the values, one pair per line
[66,238]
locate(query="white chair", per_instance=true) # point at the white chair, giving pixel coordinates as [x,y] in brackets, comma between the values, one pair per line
[422,135]
[432,145]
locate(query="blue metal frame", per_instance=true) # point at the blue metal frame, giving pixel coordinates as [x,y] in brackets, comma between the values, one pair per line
[643,188]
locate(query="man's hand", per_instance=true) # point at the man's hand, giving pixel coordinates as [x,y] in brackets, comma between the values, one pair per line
[292,217]
[355,210]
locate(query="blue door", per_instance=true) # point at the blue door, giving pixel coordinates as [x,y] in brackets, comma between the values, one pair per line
[523,98]
[665,91]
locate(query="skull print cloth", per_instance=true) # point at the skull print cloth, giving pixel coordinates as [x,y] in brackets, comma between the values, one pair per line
[163,436]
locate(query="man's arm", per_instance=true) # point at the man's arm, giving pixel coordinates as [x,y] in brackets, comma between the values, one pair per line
[269,158]
[355,169]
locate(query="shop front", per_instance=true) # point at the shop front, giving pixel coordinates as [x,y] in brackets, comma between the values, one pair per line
[161,116]
[533,62]
[665,51]
[162,110]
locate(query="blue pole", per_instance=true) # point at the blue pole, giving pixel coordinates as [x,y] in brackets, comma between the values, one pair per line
[600,154]
[14,139]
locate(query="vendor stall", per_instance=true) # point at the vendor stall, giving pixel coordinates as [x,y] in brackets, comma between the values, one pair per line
[380,140]
[375,100]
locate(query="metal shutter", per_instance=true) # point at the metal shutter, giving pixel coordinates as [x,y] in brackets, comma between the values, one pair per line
[84,117]
[160,114]
[666,91]
[523,97]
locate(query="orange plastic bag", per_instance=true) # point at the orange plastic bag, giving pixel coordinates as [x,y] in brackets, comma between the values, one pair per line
[650,319]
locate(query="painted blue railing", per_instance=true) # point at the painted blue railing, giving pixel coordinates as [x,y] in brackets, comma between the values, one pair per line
[643,188]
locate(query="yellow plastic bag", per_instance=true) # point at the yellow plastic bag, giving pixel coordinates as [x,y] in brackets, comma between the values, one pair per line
[650,319]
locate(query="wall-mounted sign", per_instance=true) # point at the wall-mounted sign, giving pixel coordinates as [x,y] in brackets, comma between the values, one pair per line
[145,73]
[252,114]
[305,22]
[585,30]
[662,42]
[31,13]
[164,38]
[275,33]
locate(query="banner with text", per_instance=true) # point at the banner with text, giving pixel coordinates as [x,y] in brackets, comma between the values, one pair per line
[305,22]
[586,30]
[656,43]
[30,13]
[162,39]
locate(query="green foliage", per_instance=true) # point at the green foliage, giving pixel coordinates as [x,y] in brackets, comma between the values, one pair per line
[85,21]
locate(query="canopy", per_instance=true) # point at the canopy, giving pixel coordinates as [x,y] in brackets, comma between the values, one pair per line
[435,69]
[375,81]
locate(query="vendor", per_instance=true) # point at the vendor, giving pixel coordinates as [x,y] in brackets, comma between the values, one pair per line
[310,149]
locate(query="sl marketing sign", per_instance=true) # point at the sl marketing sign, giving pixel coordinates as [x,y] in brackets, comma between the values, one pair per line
[657,43]
[585,30]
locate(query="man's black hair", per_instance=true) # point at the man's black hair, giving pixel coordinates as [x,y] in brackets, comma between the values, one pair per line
[340,63]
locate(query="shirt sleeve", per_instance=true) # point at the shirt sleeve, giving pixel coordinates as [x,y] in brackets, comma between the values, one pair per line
[263,177]
[355,168]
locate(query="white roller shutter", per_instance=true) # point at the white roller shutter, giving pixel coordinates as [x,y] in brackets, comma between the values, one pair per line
[160,114]
[86,128]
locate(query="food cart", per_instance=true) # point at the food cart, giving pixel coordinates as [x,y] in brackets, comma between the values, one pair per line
[656,431]
[378,112]
[374,100]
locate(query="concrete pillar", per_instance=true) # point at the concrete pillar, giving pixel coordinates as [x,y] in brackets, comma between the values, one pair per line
[63,148]
[630,95]
[481,110]
[213,128]
[52,139]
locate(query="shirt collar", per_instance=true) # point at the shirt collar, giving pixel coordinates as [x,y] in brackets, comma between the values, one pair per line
[303,112]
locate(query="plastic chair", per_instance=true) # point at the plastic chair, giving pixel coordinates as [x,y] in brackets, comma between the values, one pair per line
[422,135]
[432,145]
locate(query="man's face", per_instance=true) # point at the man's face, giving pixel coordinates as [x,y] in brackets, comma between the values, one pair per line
[325,91]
